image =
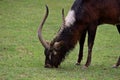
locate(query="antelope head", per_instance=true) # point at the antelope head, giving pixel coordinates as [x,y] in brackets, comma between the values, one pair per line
[52,49]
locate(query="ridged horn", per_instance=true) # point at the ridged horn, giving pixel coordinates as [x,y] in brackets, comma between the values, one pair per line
[63,17]
[43,42]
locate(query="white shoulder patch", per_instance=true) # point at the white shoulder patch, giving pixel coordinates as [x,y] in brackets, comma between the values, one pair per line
[70,18]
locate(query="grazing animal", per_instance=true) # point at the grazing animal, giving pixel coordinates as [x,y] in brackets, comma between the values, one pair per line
[84,16]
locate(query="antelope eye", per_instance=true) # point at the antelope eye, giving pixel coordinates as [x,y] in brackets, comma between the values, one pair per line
[50,51]
[55,49]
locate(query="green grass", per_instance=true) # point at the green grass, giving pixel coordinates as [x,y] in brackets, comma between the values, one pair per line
[21,54]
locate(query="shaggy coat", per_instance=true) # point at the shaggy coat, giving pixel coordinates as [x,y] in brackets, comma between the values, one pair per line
[84,16]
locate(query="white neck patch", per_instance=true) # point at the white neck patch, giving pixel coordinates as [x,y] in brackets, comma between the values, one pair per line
[70,18]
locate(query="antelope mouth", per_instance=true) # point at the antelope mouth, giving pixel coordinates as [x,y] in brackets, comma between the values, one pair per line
[48,66]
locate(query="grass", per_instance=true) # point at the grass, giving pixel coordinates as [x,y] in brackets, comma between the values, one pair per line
[21,54]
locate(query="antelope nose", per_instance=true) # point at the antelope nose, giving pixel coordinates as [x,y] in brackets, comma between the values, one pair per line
[48,66]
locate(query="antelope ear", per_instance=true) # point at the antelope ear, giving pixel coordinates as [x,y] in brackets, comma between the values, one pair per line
[48,42]
[58,45]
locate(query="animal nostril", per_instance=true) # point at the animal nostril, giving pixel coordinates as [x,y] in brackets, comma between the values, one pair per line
[56,66]
[48,66]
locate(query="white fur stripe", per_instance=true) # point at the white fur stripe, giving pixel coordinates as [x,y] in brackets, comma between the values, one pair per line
[70,18]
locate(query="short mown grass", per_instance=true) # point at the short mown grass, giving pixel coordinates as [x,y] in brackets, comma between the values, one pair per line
[21,54]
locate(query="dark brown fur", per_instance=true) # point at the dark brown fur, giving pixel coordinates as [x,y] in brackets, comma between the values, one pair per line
[88,14]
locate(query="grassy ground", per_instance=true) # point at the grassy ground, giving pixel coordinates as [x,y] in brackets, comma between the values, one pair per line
[21,54]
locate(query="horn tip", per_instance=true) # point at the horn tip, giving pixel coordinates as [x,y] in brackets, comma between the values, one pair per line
[47,9]
[62,9]
[46,6]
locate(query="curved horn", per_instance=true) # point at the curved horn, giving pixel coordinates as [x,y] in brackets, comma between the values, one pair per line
[63,22]
[44,43]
